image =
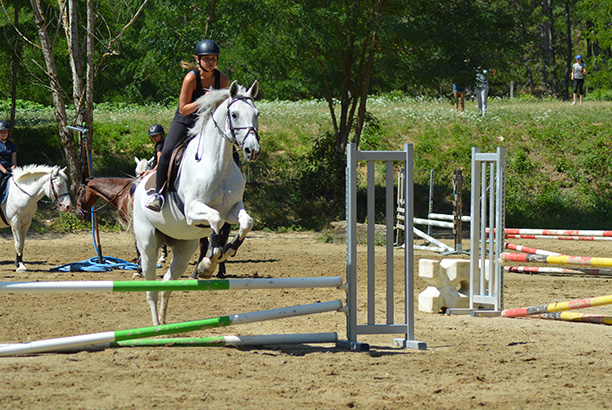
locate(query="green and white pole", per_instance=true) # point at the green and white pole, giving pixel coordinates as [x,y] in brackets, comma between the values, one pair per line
[170,285]
[256,340]
[51,345]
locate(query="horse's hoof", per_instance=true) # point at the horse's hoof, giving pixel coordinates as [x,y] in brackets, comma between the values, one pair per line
[21,268]
[205,268]
[137,275]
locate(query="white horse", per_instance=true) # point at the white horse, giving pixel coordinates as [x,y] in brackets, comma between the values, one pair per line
[26,187]
[143,165]
[208,191]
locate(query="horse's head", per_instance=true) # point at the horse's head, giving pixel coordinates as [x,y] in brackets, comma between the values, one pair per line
[82,209]
[58,189]
[241,120]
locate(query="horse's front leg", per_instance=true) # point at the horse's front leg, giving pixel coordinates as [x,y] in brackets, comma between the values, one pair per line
[19,232]
[245,225]
[204,249]
[200,214]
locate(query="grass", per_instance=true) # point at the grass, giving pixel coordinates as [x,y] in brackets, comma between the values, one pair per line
[559,170]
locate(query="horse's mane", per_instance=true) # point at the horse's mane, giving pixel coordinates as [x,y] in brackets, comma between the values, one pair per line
[33,171]
[208,103]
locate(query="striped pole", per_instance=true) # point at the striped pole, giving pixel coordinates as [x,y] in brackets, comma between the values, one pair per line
[560,237]
[557,259]
[546,269]
[558,307]
[170,285]
[577,317]
[526,249]
[556,232]
[72,342]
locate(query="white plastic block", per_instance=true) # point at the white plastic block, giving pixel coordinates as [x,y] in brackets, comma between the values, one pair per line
[448,284]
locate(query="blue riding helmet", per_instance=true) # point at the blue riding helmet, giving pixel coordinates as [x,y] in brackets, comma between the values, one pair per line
[5,126]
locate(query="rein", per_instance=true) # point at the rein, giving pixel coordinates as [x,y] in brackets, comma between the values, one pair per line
[102,196]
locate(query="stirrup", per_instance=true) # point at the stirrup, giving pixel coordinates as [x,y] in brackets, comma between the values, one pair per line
[155,203]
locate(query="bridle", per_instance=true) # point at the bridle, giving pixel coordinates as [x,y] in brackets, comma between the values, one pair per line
[232,137]
[52,190]
[81,200]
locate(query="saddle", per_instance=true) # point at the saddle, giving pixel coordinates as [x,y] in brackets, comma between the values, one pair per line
[173,166]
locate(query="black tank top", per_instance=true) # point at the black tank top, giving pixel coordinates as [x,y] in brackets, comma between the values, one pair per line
[190,119]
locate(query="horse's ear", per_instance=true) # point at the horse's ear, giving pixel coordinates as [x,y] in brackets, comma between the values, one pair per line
[136,160]
[254,90]
[233,89]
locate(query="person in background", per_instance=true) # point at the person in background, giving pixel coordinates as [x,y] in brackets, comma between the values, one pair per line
[157,135]
[482,88]
[578,74]
[8,149]
[202,77]
[459,91]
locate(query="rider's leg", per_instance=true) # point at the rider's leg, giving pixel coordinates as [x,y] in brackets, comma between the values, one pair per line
[176,135]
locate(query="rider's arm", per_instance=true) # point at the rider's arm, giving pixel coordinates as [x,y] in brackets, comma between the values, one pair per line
[14,160]
[224,81]
[186,107]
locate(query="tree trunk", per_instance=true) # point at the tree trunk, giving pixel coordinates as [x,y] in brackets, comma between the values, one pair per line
[15,69]
[210,20]
[568,42]
[521,21]
[548,48]
[56,93]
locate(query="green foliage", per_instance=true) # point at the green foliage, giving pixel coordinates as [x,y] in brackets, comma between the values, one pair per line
[559,171]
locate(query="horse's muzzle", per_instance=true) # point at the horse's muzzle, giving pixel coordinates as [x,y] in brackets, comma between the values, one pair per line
[65,208]
[250,154]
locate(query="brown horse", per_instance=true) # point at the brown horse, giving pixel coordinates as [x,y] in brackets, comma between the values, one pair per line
[115,191]
[118,192]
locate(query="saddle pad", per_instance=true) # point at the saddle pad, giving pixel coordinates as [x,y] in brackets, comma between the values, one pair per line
[4,178]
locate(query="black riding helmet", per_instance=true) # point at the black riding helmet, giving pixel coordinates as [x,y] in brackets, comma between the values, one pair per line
[4,126]
[156,129]
[207,47]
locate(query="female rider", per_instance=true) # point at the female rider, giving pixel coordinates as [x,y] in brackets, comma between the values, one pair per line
[202,77]
[8,150]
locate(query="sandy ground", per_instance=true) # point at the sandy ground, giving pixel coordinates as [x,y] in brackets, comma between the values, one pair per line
[492,363]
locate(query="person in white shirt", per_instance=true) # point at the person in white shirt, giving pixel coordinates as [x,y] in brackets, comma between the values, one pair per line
[578,74]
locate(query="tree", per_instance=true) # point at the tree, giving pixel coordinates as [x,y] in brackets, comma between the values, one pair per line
[116,18]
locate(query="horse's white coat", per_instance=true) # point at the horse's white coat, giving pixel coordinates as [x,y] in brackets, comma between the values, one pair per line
[26,187]
[210,187]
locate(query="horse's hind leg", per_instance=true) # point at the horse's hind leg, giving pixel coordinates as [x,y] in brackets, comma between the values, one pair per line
[182,251]
[148,247]
[164,254]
